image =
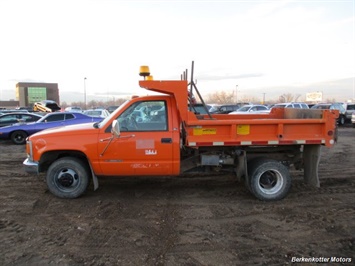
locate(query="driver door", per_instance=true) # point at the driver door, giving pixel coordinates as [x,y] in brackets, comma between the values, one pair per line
[145,146]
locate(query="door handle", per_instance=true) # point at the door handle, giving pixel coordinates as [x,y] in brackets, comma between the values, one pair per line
[166,140]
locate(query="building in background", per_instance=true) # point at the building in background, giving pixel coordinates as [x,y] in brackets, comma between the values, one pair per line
[27,93]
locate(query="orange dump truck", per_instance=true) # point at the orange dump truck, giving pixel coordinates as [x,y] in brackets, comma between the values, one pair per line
[162,135]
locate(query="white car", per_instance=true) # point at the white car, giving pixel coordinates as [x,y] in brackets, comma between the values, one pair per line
[291,105]
[251,109]
[73,109]
[97,113]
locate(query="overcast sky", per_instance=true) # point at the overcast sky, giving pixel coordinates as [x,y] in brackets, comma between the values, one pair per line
[267,47]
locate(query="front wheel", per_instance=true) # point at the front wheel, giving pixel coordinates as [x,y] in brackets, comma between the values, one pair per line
[268,180]
[68,177]
[18,137]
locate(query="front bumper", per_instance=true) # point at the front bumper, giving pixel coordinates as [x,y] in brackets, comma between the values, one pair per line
[31,167]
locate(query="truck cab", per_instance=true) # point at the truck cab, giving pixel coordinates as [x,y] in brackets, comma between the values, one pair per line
[149,142]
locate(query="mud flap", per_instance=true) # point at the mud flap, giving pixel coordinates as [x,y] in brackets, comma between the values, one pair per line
[94,178]
[311,158]
[241,169]
[95,181]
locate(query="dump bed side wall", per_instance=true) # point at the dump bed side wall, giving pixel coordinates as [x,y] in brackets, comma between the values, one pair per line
[280,127]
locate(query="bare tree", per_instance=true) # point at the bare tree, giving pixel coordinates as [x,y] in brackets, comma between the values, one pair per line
[221,97]
[297,96]
[249,99]
[289,97]
[330,100]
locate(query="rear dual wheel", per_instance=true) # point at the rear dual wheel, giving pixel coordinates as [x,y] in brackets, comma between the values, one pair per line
[268,180]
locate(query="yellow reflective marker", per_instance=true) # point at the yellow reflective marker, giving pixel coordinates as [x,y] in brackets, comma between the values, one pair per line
[243,129]
[204,131]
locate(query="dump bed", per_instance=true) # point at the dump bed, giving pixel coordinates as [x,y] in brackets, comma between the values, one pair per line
[279,127]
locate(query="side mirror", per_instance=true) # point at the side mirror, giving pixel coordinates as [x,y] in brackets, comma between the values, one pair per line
[116,128]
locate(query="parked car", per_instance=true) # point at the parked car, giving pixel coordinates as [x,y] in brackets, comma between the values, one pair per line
[213,107]
[97,113]
[291,105]
[350,109]
[251,109]
[333,106]
[199,108]
[310,105]
[112,108]
[19,132]
[13,118]
[74,109]
[226,108]
[46,106]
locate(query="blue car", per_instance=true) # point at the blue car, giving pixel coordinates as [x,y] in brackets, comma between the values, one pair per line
[19,132]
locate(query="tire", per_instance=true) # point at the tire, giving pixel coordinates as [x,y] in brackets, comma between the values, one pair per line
[269,180]
[18,137]
[68,177]
[341,120]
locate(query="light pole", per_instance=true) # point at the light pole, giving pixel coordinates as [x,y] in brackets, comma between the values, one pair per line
[236,94]
[264,97]
[85,93]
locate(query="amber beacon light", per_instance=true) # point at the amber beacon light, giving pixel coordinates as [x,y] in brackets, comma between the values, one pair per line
[144,71]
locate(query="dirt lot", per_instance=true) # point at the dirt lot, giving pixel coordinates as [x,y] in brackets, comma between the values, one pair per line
[178,221]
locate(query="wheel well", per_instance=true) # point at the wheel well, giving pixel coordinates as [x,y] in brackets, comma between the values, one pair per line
[49,157]
[18,130]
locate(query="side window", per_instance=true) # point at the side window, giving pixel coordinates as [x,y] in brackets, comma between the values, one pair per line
[9,118]
[296,105]
[56,117]
[144,116]
[26,117]
[69,116]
